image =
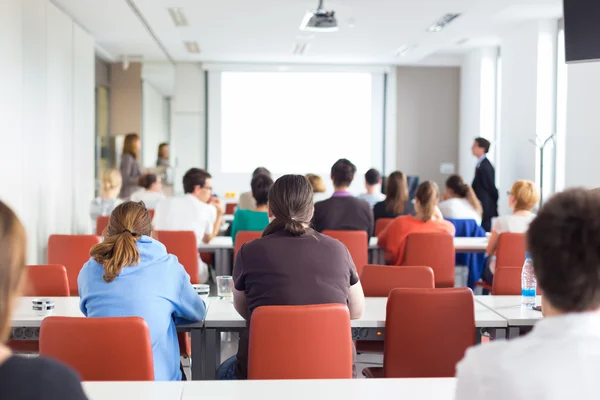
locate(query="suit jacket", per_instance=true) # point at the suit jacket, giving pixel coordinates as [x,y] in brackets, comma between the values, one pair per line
[484,186]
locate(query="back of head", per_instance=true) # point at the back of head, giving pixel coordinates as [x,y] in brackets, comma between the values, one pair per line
[564,242]
[291,204]
[525,195]
[427,195]
[342,173]
[162,150]
[111,181]
[147,180]
[483,143]
[13,244]
[194,177]
[396,192]
[372,177]
[261,171]
[128,222]
[316,182]
[130,144]
[261,184]
[456,184]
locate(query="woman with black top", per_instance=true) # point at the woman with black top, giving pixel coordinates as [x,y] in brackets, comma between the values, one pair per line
[397,201]
[25,378]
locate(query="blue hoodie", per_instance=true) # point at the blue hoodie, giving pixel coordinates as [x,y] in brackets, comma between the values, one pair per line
[157,289]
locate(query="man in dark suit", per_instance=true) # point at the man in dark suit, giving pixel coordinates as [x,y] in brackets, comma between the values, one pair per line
[484,183]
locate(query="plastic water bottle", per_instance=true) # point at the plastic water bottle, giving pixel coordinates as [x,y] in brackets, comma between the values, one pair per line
[528,283]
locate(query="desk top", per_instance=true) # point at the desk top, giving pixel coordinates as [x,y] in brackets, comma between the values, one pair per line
[460,243]
[509,307]
[326,389]
[25,317]
[221,314]
[134,390]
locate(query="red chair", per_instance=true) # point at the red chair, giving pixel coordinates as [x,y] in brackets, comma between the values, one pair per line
[101,224]
[435,250]
[381,224]
[380,280]
[427,332]
[100,349]
[230,208]
[357,244]
[244,237]
[510,251]
[183,245]
[41,281]
[283,343]
[72,251]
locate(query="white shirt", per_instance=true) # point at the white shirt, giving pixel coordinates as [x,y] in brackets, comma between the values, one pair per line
[513,223]
[149,198]
[459,209]
[558,360]
[185,213]
[372,199]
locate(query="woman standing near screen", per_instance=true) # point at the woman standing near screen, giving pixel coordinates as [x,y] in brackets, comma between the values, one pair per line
[131,168]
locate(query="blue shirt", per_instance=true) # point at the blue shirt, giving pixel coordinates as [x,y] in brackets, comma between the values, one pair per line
[157,289]
[480,160]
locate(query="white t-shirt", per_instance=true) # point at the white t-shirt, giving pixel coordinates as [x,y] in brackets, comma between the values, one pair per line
[513,223]
[185,213]
[372,199]
[459,209]
[149,198]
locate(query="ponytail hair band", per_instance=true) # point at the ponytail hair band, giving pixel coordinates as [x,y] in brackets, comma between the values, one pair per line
[130,232]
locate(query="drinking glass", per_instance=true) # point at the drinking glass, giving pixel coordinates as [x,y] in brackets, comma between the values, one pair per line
[225,287]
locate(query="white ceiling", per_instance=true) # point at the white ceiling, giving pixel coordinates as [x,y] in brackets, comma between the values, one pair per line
[267,30]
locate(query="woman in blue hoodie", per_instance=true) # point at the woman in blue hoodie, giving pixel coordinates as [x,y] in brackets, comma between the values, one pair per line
[131,274]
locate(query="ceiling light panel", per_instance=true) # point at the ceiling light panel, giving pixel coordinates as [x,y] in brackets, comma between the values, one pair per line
[178,17]
[442,22]
[192,47]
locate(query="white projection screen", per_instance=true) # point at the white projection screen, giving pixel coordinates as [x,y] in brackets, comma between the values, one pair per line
[292,122]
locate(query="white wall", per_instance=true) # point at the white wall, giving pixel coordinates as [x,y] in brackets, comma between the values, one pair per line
[46,105]
[155,128]
[187,122]
[583,125]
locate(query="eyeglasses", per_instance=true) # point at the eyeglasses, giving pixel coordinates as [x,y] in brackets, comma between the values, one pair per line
[508,193]
[207,188]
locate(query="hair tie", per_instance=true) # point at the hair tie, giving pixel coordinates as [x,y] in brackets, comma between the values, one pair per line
[131,233]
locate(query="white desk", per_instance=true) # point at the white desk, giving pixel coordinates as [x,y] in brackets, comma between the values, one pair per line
[222,317]
[222,246]
[227,217]
[134,390]
[323,389]
[25,317]
[509,308]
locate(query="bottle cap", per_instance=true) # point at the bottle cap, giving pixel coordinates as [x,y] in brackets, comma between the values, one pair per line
[528,256]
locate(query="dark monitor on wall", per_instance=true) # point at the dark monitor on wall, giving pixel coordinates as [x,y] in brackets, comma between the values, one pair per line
[582,30]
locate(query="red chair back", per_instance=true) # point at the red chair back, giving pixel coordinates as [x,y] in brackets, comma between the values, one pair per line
[427,332]
[510,251]
[379,280]
[46,280]
[182,244]
[230,208]
[435,250]
[283,343]
[381,224]
[72,251]
[357,243]
[102,224]
[244,237]
[507,281]
[100,349]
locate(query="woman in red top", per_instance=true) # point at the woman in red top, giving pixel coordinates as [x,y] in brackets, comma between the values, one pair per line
[428,219]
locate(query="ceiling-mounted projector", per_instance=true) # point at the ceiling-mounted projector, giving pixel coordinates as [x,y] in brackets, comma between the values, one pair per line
[319,20]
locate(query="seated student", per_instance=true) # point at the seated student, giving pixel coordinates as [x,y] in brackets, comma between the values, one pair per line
[373,186]
[246,201]
[560,357]
[102,206]
[318,187]
[131,274]
[460,201]
[342,211]
[396,201]
[522,198]
[258,218]
[151,192]
[427,220]
[290,265]
[20,377]
[198,211]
